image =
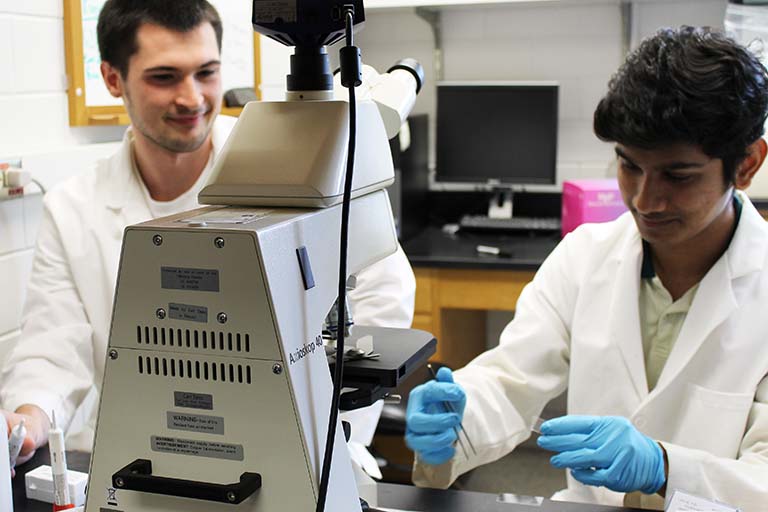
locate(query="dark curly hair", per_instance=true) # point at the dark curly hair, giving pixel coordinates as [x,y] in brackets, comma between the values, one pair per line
[690,85]
[119,20]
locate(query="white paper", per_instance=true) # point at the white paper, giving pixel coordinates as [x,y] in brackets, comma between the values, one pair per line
[366,344]
[684,502]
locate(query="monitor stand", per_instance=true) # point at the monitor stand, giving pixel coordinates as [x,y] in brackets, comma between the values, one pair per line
[500,204]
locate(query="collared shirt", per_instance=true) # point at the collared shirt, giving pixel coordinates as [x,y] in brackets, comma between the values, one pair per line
[661,318]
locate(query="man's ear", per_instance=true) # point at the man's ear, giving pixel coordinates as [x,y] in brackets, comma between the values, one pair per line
[748,167]
[112,79]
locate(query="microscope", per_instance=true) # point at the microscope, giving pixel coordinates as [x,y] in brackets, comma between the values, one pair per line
[217,391]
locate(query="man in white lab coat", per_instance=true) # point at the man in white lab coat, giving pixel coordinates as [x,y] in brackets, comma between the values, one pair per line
[654,323]
[163,59]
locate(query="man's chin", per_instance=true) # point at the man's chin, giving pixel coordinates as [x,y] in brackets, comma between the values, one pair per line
[656,238]
[183,144]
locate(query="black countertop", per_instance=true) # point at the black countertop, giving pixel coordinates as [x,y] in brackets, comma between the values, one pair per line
[407,498]
[433,247]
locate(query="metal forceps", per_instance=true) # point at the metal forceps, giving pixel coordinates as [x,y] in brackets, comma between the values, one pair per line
[460,428]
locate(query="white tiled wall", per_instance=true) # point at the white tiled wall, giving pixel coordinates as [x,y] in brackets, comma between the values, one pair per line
[34,127]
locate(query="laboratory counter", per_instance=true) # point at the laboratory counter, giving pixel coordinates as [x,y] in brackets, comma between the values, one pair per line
[436,248]
[391,496]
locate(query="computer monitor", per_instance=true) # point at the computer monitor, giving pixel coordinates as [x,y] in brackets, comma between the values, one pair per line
[498,133]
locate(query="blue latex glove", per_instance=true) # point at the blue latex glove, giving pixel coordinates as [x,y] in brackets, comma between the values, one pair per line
[605,451]
[429,425]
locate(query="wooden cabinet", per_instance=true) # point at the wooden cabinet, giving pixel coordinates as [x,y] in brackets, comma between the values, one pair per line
[451,304]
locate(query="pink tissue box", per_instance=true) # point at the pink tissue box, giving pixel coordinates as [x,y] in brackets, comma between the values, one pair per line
[590,201]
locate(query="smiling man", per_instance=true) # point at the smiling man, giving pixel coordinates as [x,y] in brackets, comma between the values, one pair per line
[654,323]
[163,58]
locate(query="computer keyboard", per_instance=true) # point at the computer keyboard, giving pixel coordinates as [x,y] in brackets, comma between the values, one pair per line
[483,223]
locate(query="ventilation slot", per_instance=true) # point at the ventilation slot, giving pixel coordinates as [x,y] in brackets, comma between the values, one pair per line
[195,370]
[192,338]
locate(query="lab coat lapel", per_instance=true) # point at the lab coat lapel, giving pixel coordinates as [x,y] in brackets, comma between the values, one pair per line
[713,304]
[625,315]
[124,200]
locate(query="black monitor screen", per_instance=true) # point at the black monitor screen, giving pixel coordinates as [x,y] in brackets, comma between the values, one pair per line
[500,132]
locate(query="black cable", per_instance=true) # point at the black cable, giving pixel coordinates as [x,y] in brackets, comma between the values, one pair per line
[344,239]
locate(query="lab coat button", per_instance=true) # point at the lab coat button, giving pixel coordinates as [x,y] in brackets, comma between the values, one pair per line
[640,422]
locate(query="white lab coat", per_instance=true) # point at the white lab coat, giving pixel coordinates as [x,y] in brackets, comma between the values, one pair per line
[58,363]
[577,326]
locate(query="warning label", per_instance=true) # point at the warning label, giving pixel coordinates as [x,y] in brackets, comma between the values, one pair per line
[207,449]
[195,423]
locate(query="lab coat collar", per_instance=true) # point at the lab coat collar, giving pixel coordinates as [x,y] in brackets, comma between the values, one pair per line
[716,298]
[749,247]
[123,179]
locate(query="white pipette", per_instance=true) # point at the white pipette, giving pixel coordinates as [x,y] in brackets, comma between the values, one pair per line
[61,498]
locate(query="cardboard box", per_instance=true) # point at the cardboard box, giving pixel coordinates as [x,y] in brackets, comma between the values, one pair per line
[590,201]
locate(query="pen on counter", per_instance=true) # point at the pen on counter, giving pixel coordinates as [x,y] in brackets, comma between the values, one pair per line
[18,433]
[449,406]
[493,251]
[61,498]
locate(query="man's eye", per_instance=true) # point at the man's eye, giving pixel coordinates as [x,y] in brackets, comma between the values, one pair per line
[678,178]
[207,73]
[163,77]
[628,166]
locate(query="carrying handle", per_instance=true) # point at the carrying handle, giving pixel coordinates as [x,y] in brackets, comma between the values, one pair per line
[137,476]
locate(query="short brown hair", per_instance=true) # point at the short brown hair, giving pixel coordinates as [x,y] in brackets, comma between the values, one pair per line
[119,21]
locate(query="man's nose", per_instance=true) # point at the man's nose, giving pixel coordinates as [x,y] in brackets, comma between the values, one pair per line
[650,197]
[189,94]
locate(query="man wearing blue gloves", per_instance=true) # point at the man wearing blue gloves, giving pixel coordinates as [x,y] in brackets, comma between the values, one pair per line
[654,323]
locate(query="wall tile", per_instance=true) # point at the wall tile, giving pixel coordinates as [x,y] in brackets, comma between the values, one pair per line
[12,236]
[577,143]
[50,8]
[463,24]
[552,20]
[7,80]
[14,276]
[38,46]
[37,121]
[384,27]
[649,16]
